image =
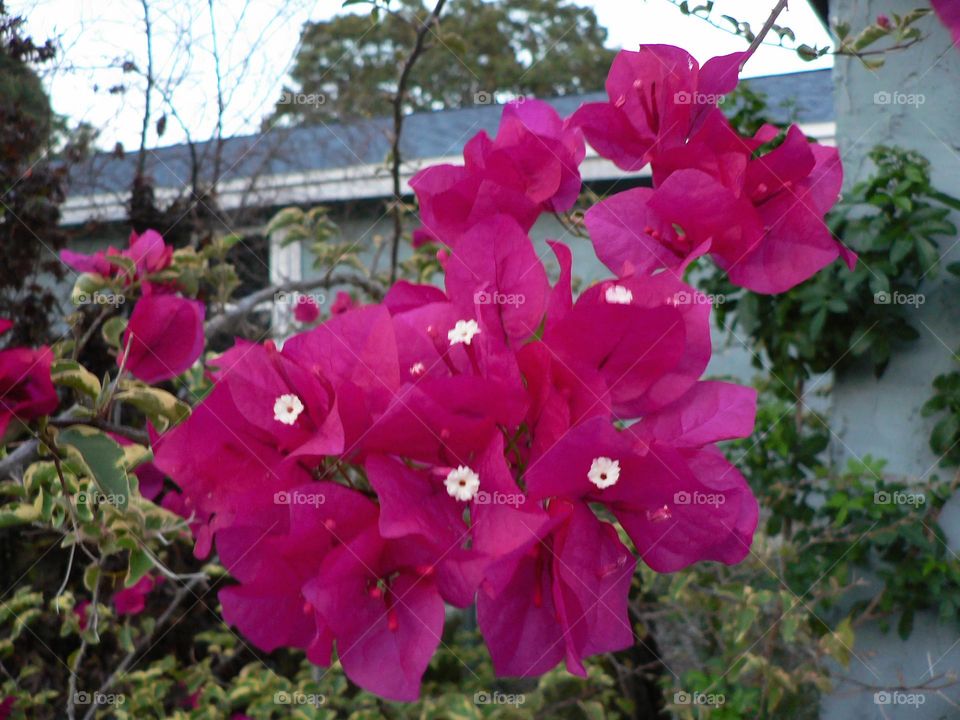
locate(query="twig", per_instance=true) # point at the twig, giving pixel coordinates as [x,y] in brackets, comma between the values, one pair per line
[85,338]
[72,685]
[242,307]
[398,99]
[128,660]
[767,26]
[29,450]
[218,155]
[142,155]
[22,456]
[138,436]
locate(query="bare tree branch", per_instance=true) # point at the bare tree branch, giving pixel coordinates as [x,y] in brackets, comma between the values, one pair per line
[233,316]
[398,99]
[767,26]
[128,660]
[142,157]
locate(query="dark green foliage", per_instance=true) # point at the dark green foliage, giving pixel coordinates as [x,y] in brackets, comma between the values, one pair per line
[945,405]
[481,49]
[893,221]
[31,188]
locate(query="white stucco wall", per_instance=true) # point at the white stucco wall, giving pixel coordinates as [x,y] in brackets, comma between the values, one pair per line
[882,417]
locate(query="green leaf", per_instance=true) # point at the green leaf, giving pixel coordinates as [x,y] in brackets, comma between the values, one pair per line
[113,330]
[284,218]
[103,457]
[90,576]
[807,53]
[162,408]
[26,513]
[86,285]
[947,200]
[944,432]
[127,266]
[905,626]
[72,374]
[140,564]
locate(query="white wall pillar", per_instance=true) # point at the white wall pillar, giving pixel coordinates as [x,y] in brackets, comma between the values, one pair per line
[882,417]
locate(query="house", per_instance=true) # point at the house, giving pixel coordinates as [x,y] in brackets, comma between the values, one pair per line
[343,166]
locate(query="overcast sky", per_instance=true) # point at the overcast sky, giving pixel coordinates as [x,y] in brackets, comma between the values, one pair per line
[257,41]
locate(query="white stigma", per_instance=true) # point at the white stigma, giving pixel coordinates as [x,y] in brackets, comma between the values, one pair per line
[462,483]
[463,332]
[417,369]
[618,295]
[287,409]
[604,472]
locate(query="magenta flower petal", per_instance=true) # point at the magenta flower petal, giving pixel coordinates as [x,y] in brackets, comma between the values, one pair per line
[686,514]
[95,263]
[495,268]
[356,352]
[610,133]
[163,338]
[382,615]
[26,390]
[306,310]
[592,575]
[649,350]
[149,252]
[658,96]
[133,600]
[679,507]
[341,303]
[949,13]
[561,593]
[711,411]
[414,503]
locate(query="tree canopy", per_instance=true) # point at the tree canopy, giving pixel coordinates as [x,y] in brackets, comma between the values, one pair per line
[348,66]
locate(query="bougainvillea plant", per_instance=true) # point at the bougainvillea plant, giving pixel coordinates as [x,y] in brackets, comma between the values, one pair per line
[496,441]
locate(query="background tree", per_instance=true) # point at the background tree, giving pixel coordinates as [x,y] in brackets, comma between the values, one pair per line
[30,188]
[524,47]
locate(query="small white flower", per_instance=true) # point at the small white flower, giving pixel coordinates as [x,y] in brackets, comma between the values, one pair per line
[463,332]
[287,409]
[604,472]
[618,295]
[462,483]
[417,369]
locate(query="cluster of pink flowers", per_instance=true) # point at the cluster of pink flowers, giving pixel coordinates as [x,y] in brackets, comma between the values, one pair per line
[164,335]
[26,390]
[473,444]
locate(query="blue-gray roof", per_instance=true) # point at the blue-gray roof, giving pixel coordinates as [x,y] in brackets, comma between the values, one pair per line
[361,142]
